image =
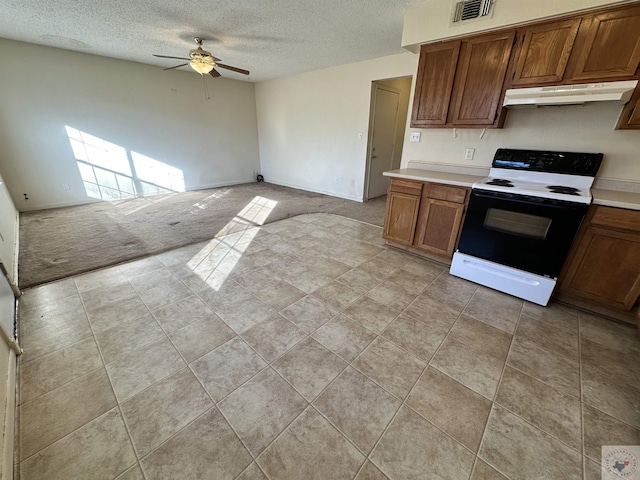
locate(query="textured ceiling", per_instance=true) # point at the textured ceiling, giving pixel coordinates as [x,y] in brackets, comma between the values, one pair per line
[270,38]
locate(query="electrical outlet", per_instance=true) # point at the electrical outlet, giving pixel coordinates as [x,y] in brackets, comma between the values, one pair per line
[360,136]
[469,153]
[415,137]
[66,186]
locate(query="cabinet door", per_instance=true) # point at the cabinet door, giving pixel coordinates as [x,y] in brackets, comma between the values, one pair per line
[630,117]
[436,70]
[477,89]
[401,217]
[606,268]
[608,46]
[545,52]
[439,226]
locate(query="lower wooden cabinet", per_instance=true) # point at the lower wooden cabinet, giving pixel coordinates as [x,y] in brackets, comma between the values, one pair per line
[426,217]
[403,202]
[440,219]
[604,265]
[402,214]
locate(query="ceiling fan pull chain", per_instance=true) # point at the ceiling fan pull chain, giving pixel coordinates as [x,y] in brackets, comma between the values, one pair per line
[206,89]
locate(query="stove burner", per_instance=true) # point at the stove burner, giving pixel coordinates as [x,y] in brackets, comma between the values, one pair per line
[500,182]
[563,190]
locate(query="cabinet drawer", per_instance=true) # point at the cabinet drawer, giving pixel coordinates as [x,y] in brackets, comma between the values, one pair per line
[402,185]
[617,218]
[447,193]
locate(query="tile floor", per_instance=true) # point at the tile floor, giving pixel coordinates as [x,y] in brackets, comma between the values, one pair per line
[307,349]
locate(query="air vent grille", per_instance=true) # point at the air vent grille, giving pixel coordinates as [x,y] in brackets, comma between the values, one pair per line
[465,10]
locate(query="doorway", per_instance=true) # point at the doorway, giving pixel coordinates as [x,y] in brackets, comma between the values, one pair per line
[387,122]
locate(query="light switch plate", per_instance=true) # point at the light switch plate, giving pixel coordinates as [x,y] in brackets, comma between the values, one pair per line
[415,137]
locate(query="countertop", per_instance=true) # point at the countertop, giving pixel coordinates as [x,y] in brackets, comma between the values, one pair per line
[610,198]
[460,179]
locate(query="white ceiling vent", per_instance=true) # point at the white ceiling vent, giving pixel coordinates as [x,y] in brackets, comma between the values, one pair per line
[464,11]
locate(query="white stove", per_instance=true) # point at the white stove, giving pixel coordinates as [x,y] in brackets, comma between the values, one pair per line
[557,186]
[522,219]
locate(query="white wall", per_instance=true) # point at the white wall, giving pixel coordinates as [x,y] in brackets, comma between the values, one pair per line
[8,234]
[7,409]
[161,114]
[429,21]
[588,128]
[309,124]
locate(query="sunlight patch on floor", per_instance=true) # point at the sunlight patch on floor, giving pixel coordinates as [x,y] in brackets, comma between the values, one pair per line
[205,202]
[218,258]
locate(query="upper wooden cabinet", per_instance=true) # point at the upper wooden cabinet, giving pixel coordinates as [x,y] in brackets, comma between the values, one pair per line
[436,70]
[459,83]
[607,46]
[544,52]
[630,117]
[477,89]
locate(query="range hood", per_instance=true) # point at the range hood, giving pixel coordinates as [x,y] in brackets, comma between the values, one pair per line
[619,92]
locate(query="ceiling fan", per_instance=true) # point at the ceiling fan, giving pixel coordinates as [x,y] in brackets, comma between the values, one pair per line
[202,61]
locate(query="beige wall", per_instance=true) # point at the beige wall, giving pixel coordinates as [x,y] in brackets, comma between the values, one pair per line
[309,124]
[429,21]
[160,114]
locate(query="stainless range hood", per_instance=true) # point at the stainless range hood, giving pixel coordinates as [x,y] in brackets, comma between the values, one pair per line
[619,92]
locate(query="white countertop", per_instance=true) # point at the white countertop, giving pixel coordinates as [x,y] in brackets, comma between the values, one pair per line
[460,179]
[616,198]
[610,198]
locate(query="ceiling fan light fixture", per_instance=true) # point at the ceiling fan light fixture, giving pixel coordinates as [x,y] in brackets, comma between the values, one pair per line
[202,65]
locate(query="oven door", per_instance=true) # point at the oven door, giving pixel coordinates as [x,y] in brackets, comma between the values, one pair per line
[527,233]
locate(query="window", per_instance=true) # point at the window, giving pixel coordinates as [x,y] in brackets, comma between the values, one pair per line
[109,173]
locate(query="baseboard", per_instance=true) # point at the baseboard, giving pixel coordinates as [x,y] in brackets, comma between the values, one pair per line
[90,201]
[200,187]
[220,185]
[323,192]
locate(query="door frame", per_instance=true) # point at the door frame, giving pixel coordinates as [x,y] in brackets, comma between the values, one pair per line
[375,86]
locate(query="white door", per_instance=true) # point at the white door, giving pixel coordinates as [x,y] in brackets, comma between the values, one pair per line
[383,136]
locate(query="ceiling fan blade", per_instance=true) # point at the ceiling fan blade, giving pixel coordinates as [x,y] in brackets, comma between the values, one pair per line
[177,66]
[214,73]
[233,69]
[167,56]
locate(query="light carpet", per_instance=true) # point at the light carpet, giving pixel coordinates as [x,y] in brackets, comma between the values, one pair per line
[57,243]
